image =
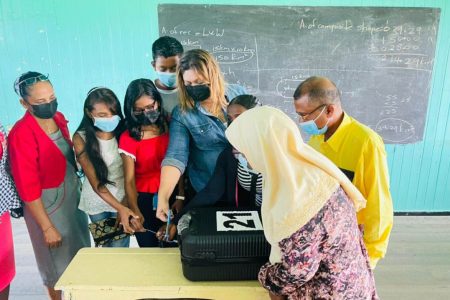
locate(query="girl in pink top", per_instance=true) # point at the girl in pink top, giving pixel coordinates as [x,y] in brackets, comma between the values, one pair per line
[8,200]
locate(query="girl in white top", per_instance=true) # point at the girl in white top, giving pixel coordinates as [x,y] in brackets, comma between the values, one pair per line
[90,201]
[95,142]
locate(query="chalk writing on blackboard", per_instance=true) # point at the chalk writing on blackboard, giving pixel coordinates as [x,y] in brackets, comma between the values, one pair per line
[395,130]
[380,58]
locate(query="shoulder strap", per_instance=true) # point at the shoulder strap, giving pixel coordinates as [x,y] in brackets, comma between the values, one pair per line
[82,134]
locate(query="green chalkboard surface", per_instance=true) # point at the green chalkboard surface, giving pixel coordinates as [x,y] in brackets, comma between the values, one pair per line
[381,58]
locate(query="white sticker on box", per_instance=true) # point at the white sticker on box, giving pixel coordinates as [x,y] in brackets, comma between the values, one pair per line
[238,221]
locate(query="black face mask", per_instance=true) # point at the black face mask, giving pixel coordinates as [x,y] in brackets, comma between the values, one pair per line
[198,93]
[148,118]
[45,111]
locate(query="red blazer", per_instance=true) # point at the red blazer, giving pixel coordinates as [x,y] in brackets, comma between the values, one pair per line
[36,162]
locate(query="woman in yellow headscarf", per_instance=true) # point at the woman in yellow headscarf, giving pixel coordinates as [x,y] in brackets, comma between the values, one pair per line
[308,213]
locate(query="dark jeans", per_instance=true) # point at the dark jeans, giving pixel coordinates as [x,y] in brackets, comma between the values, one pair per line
[148,239]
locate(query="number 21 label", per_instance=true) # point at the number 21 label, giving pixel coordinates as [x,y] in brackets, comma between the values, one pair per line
[238,221]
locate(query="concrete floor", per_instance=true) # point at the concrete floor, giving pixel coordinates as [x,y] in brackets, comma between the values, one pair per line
[417,265]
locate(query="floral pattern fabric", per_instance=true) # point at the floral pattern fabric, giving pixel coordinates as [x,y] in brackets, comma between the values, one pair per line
[325,259]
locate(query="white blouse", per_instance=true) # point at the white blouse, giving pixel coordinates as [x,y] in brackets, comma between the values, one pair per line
[90,201]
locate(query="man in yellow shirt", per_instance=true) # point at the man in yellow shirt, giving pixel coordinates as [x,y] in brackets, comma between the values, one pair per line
[356,149]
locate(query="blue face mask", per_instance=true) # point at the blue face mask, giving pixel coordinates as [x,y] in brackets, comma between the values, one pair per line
[244,163]
[168,79]
[242,160]
[107,124]
[310,127]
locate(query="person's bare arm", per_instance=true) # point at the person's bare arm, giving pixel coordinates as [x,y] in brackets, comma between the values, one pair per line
[103,192]
[169,178]
[51,234]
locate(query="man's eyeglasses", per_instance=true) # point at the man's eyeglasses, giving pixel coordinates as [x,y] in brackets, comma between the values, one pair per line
[305,115]
[28,82]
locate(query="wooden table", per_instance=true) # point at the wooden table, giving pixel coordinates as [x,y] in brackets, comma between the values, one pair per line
[145,273]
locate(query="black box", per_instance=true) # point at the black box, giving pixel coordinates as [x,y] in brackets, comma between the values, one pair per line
[222,244]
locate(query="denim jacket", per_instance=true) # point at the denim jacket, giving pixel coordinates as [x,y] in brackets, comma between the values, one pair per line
[196,140]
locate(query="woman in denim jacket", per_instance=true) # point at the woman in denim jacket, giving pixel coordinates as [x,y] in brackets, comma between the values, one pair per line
[197,127]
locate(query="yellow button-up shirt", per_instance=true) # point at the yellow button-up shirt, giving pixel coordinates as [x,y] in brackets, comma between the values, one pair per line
[359,152]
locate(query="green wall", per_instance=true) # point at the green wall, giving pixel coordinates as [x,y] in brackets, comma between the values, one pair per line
[83,43]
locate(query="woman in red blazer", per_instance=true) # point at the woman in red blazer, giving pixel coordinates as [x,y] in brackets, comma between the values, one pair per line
[44,171]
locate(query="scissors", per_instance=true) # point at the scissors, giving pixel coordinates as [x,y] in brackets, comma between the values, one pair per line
[166,235]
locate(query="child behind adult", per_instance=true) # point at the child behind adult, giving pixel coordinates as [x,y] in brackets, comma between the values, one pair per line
[166,52]
[143,147]
[96,148]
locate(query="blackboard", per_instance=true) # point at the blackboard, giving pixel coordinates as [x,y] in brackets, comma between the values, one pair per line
[381,58]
